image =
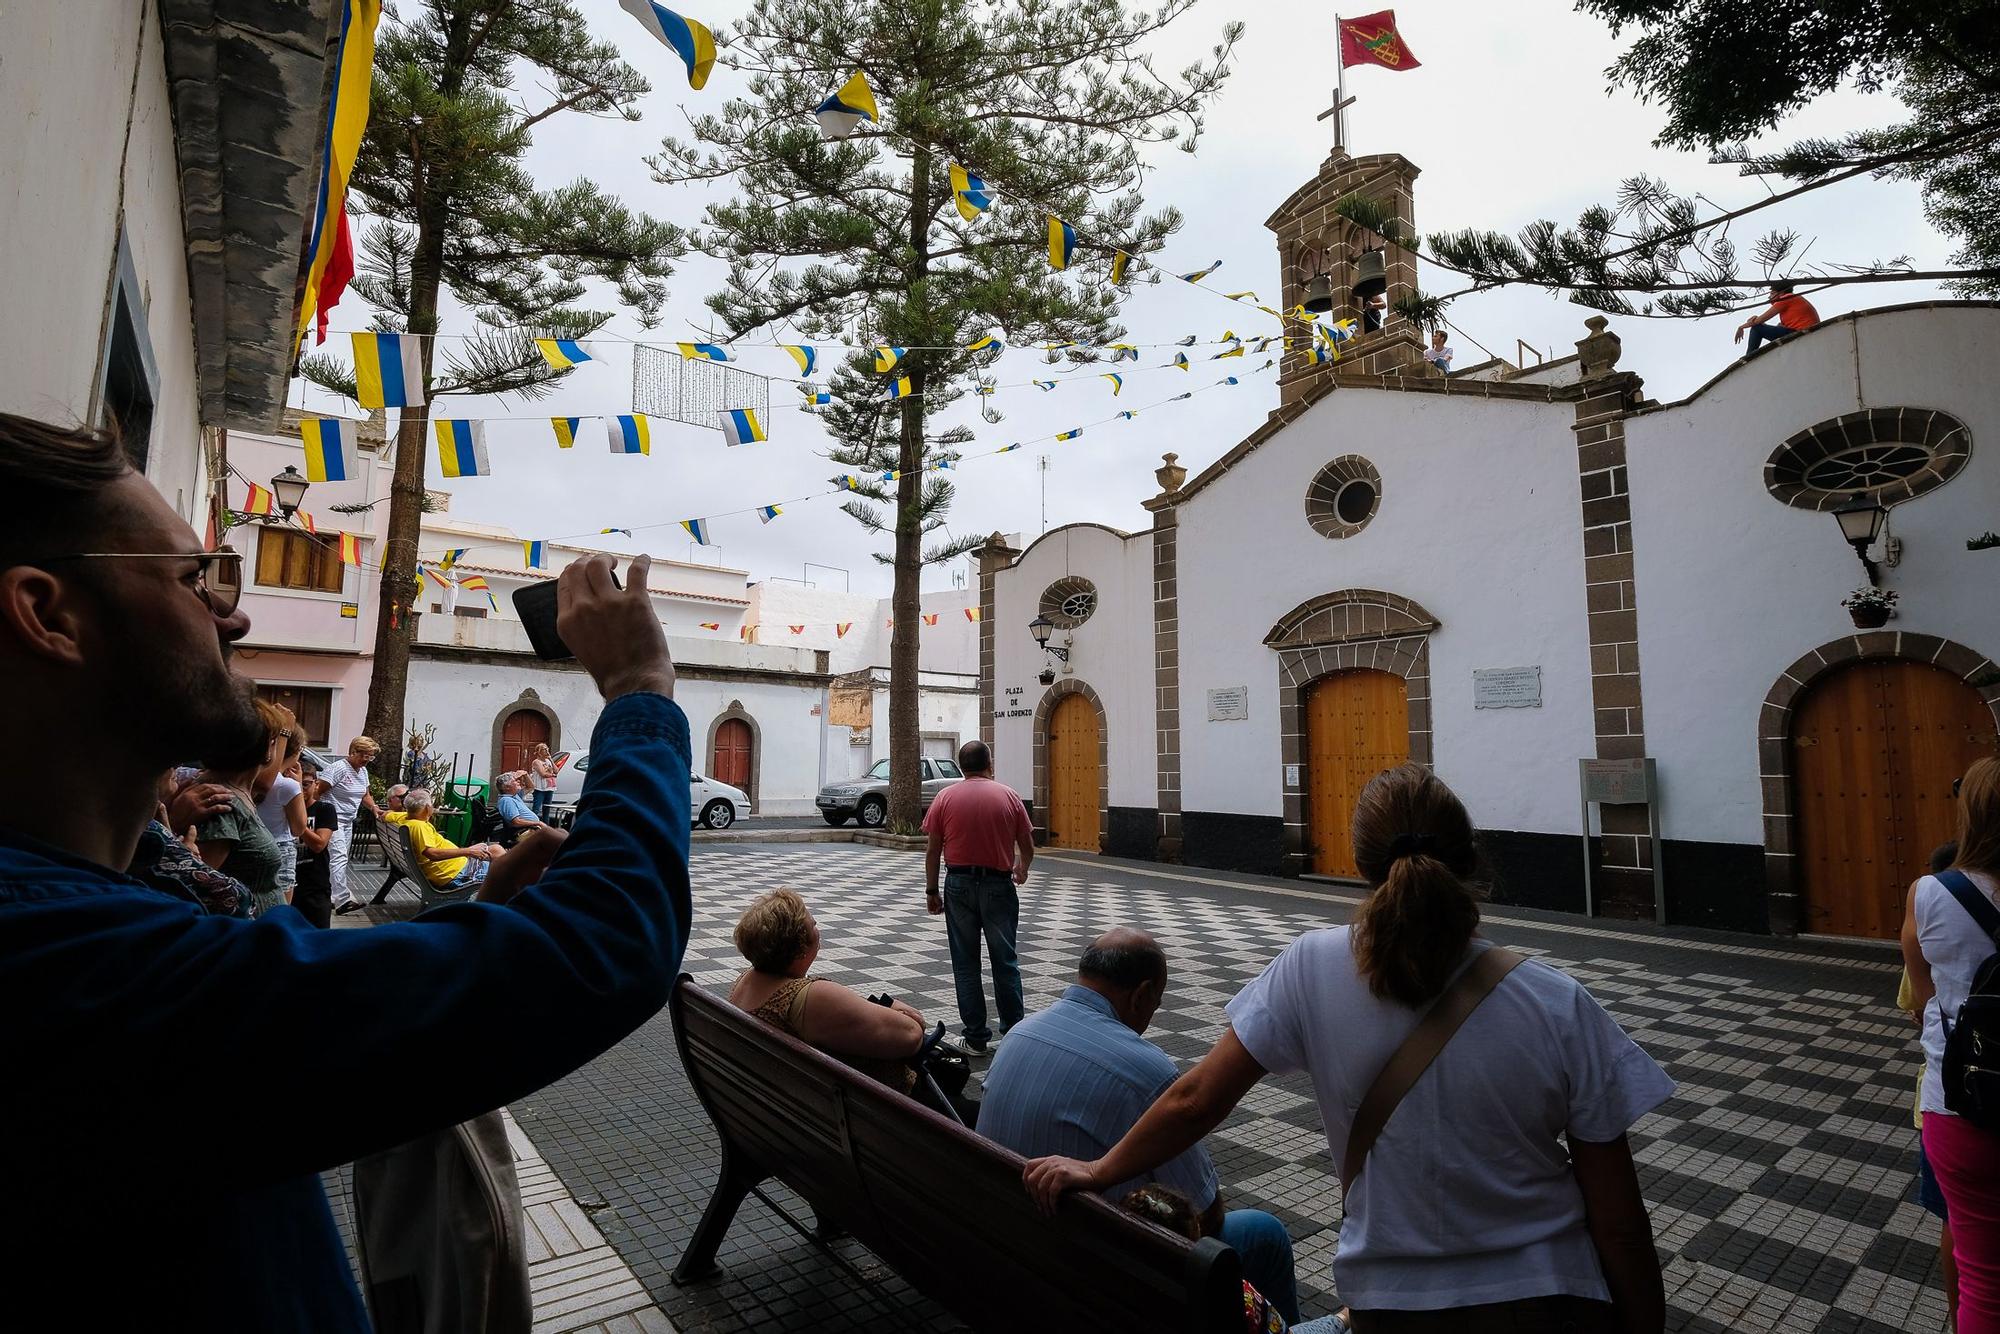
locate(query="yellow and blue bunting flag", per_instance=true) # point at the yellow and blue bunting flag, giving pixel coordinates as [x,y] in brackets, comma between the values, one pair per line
[1118,263]
[625,531]
[1241,296]
[992,342]
[847,481]
[899,387]
[969,192]
[692,41]
[388,371]
[1188,341]
[1007,449]
[886,359]
[462,447]
[629,434]
[1062,243]
[1044,385]
[565,429]
[766,513]
[697,529]
[815,398]
[535,555]
[331,444]
[1117,382]
[1071,435]
[452,557]
[1181,361]
[1199,274]
[562,353]
[806,357]
[1124,352]
[1128,414]
[741,427]
[703,352]
[841,113]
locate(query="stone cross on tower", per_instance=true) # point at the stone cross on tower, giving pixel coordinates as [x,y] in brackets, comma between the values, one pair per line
[1342,100]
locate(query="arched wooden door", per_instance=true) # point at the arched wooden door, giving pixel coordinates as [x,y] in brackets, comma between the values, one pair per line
[1875,748]
[1074,777]
[519,735]
[729,760]
[1357,725]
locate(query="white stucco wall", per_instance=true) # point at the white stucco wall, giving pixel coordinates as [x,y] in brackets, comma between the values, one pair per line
[74,113]
[1478,523]
[1733,587]
[1112,652]
[462,699]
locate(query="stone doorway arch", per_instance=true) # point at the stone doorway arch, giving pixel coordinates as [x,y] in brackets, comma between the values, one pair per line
[1043,709]
[528,702]
[736,713]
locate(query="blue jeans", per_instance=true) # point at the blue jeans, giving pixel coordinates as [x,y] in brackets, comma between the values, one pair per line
[1264,1249]
[1761,334]
[977,903]
[538,802]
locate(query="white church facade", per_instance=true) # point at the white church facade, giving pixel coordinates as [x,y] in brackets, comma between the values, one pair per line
[1503,576]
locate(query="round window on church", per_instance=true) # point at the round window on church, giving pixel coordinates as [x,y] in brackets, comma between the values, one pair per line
[1069,601]
[1343,497]
[1887,455]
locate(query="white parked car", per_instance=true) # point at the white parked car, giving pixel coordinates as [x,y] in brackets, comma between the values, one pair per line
[715,804]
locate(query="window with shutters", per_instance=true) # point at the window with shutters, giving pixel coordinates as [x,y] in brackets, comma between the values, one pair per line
[289,558]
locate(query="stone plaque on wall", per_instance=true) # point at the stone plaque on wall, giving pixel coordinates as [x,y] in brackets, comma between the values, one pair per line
[1229,704]
[1507,688]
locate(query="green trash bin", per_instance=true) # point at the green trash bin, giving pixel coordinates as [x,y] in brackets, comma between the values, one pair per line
[455,822]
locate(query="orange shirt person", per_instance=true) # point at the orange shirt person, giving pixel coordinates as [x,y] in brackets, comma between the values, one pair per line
[1792,313]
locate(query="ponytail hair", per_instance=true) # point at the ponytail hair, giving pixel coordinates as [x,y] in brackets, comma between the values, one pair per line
[1413,843]
[1979,818]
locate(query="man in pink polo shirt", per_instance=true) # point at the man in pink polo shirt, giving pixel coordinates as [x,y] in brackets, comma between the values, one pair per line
[980,834]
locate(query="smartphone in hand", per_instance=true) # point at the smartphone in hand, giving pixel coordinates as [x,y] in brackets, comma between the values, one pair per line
[536,605]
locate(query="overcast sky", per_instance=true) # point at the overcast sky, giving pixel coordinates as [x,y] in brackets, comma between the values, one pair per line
[1508,118]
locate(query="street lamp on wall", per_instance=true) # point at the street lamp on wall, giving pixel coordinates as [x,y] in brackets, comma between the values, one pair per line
[1860,522]
[1042,628]
[288,488]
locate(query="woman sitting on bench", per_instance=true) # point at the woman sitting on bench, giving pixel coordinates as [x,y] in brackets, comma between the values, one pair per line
[779,937]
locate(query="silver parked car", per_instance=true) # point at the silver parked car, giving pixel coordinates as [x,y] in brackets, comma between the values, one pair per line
[867,798]
[714,803]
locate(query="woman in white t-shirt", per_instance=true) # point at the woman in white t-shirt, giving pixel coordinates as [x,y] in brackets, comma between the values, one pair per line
[1943,948]
[1469,1213]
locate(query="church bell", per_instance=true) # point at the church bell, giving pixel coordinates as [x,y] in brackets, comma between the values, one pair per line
[1319,295]
[1370,276]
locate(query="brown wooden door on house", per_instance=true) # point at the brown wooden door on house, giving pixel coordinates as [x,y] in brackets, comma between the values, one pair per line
[729,760]
[1357,725]
[519,735]
[1074,777]
[1875,748]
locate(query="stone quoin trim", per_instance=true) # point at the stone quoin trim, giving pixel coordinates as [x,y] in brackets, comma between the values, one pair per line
[994,557]
[1167,655]
[1043,708]
[736,710]
[1774,739]
[1355,629]
[529,702]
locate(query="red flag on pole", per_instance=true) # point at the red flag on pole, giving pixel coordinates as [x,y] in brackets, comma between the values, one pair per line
[339,269]
[1372,39]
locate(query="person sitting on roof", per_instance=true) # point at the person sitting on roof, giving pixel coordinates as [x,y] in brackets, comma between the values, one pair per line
[1793,313]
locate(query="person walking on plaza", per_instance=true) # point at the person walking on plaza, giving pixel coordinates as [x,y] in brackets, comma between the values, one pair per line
[142,1190]
[347,788]
[1951,949]
[541,780]
[1464,1209]
[980,836]
[1792,313]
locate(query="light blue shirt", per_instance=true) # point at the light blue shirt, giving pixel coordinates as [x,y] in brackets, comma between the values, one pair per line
[1072,1080]
[512,808]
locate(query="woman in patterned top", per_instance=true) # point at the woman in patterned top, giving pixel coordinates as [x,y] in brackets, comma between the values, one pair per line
[236,842]
[779,937]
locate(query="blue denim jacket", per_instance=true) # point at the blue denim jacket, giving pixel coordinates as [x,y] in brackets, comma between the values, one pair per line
[140,1038]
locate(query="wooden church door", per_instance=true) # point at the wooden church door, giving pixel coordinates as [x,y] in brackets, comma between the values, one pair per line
[730,761]
[519,735]
[1074,780]
[1875,748]
[1357,725]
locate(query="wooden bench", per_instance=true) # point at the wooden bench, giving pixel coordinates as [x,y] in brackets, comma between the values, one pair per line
[943,1207]
[395,841]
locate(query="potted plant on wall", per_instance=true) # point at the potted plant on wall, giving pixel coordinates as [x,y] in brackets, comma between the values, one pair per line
[1870,607]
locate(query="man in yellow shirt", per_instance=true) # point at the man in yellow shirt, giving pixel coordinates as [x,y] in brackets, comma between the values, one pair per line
[443,863]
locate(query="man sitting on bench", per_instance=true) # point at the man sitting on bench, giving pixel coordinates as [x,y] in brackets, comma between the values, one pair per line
[1073,1078]
[443,863]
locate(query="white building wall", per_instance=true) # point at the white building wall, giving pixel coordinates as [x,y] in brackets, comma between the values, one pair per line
[1478,523]
[83,92]
[1733,586]
[1112,652]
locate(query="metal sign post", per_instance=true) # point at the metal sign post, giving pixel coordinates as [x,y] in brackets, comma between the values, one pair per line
[1623,783]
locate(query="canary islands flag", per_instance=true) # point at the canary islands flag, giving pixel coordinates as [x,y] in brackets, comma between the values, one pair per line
[1117,383]
[535,555]
[697,529]
[452,557]
[388,371]
[462,447]
[1062,243]
[841,113]
[815,398]
[1124,352]
[992,342]
[1180,361]
[886,358]
[692,41]
[969,192]
[703,352]
[900,387]
[561,353]
[1071,435]
[1044,385]
[741,427]
[566,431]
[629,434]
[1199,274]
[330,448]
[766,513]
[1128,414]
[805,356]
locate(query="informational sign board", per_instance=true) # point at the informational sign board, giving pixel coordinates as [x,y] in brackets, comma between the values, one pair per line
[350,610]
[1507,688]
[1229,704]
[1616,782]
[1291,776]
[1623,783]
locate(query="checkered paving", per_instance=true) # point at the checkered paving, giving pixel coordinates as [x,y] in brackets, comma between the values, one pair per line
[1778,1176]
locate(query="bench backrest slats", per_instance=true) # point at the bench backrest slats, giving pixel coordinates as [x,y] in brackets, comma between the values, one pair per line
[936,1202]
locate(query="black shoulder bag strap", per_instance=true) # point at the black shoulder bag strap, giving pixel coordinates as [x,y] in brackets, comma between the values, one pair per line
[1969,898]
